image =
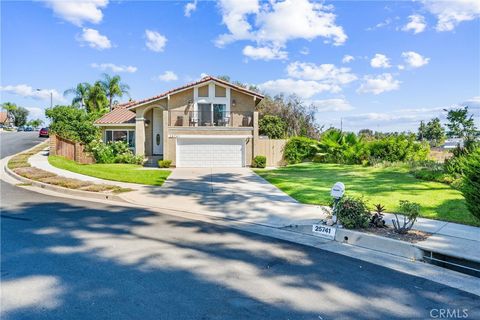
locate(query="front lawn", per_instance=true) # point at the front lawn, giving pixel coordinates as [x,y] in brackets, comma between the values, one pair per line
[311,183]
[117,172]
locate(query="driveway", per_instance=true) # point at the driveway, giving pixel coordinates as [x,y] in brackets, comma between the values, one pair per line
[234,193]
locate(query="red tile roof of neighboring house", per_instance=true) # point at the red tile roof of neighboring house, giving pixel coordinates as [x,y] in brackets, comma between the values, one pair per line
[3,116]
[204,79]
[119,115]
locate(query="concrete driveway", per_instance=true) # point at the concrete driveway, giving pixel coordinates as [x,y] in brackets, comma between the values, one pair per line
[234,193]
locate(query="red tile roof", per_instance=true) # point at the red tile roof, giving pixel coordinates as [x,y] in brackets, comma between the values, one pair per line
[204,79]
[3,117]
[119,115]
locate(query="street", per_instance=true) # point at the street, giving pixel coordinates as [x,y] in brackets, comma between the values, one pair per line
[70,259]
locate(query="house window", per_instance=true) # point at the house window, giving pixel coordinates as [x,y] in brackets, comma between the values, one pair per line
[127,136]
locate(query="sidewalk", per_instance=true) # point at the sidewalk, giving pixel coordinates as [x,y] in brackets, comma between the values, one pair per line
[448,238]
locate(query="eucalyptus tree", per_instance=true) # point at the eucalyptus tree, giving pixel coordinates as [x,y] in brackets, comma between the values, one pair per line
[113,87]
[80,94]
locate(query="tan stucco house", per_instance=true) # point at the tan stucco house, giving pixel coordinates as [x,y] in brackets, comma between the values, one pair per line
[207,123]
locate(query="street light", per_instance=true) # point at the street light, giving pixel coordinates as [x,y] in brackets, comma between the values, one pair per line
[51,97]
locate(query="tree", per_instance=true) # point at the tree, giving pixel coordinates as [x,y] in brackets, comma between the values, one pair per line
[72,123]
[113,87]
[460,123]
[434,132]
[471,183]
[20,115]
[80,92]
[366,133]
[35,123]
[9,108]
[97,101]
[422,129]
[272,126]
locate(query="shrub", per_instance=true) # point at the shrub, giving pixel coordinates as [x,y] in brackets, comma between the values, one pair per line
[272,126]
[353,213]
[299,149]
[400,147]
[259,162]
[471,183]
[164,163]
[410,210]
[113,152]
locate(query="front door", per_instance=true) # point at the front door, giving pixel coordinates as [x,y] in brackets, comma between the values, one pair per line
[157,131]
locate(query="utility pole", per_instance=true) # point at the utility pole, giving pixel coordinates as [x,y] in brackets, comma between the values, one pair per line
[51,97]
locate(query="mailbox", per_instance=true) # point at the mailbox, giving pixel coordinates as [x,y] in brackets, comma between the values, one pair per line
[338,190]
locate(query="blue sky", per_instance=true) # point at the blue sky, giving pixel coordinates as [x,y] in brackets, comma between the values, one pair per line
[373,64]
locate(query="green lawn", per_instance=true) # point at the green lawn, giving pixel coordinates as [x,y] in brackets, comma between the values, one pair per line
[311,183]
[117,172]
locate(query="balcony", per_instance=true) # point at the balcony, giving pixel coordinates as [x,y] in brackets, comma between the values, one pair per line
[234,119]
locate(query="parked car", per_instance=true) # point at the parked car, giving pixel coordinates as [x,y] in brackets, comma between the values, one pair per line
[29,129]
[43,132]
[20,129]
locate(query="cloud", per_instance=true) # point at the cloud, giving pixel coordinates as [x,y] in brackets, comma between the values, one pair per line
[416,24]
[414,60]
[327,73]
[27,91]
[336,105]
[276,23]
[347,58]
[78,12]
[190,7]
[303,89]
[114,67]
[379,25]
[36,113]
[265,53]
[378,84]
[305,51]
[155,41]
[168,76]
[380,61]
[449,14]
[94,39]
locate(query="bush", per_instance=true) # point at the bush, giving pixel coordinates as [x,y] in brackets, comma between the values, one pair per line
[471,183]
[410,210]
[395,148]
[353,213]
[113,152]
[259,162]
[164,163]
[272,126]
[299,149]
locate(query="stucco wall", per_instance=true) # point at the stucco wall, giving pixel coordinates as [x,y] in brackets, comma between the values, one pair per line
[148,133]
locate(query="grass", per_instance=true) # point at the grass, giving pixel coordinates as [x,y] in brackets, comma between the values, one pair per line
[311,182]
[116,172]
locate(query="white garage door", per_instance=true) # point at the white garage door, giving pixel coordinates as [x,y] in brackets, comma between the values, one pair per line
[210,152]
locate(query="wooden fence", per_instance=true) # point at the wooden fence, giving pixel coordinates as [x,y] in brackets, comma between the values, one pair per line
[69,149]
[273,149]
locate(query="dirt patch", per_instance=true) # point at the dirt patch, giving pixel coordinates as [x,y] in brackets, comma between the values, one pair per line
[413,236]
[66,182]
[33,173]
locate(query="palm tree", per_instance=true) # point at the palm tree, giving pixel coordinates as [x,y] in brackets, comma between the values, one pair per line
[10,109]
[80,93]
[96,99]
[113,87]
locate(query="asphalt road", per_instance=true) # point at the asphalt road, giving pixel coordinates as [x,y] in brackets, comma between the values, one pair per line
[69,259]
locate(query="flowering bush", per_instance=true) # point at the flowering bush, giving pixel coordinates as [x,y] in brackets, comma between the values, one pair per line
[113,152]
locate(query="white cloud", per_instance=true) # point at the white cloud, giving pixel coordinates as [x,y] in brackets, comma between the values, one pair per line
[36,113]
[452,13]
[94,39]
[414,60]
[276,23]
[168,76]
[265,53]
[78,12]
[336,105]
[378,84]
[190,7]
[303,89]
[347,58]
[114,67]
[380,61]
[416,24]
[155,41]
[327,73]
[27,91]
[382,24]
[305,51]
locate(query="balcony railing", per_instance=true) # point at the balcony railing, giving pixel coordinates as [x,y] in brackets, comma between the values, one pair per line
[211,119]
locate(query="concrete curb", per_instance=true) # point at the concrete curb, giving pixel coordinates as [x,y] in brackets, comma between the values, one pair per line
[382,244]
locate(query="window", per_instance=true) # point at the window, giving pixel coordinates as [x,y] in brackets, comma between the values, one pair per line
[121,135]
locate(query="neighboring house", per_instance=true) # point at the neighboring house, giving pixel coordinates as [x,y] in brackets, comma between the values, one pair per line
[208,123]
[5,120]
[452,143]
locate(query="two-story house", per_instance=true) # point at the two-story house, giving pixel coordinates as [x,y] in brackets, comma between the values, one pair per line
[207,123]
